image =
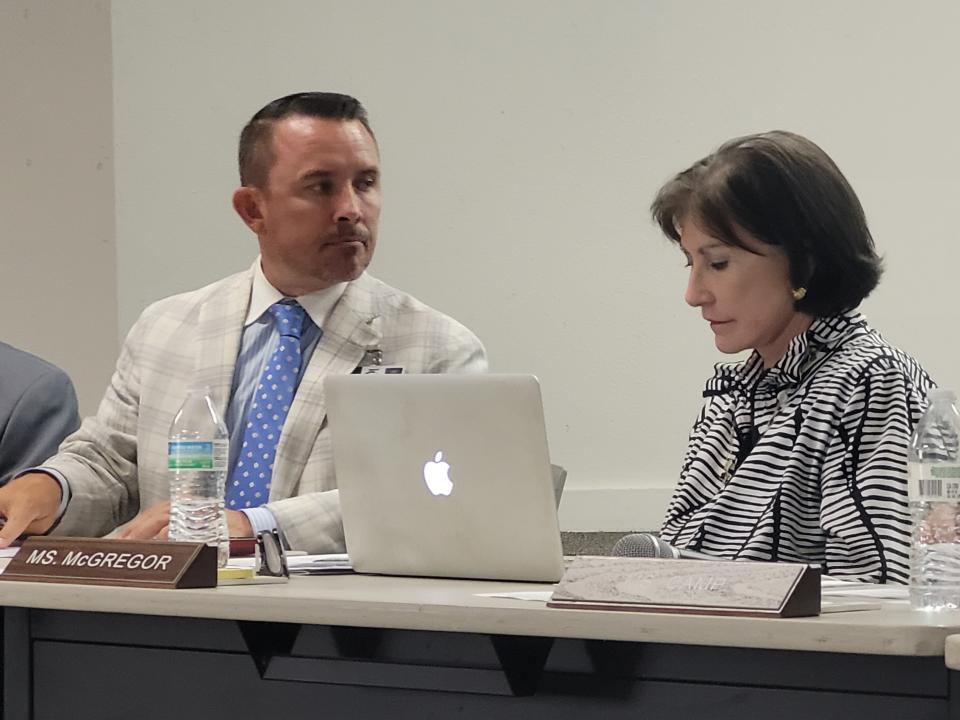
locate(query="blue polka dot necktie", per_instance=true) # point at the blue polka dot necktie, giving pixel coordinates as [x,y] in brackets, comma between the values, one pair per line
[249,485]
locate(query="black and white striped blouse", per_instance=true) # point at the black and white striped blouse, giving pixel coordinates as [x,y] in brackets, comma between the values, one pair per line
[806,461]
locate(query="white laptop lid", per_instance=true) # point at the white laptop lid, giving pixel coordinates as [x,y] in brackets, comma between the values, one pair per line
[499,520]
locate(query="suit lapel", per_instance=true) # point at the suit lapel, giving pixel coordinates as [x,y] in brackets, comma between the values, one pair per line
[351,330]
[219,328]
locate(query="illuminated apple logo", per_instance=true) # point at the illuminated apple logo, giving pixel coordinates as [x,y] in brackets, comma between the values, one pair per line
[436,474]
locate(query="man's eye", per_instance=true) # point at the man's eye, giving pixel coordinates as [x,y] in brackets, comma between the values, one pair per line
[719,264]
[366,183]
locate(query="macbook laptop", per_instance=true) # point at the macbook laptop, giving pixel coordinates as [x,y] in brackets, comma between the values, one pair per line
[445,476]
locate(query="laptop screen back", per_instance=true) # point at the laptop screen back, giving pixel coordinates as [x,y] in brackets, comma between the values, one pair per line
[445,475]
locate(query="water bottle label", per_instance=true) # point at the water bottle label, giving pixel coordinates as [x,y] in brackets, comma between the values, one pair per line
[934,481]
[197,455]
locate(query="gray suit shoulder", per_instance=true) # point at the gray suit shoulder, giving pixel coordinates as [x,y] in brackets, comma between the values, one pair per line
[38,409]
[20,369]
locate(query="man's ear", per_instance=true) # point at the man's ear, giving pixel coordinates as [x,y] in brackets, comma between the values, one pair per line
[246,201]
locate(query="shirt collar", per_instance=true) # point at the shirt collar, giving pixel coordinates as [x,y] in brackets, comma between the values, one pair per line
[318,304]
[824,334]
[804,350]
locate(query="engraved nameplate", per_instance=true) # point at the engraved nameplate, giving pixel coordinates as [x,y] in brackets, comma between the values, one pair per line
[690,586]
[135,563]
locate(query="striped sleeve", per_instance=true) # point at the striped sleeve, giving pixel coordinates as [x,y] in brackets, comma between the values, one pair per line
[864,511]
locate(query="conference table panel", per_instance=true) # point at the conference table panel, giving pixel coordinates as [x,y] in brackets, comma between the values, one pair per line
[110,679]
[397,647]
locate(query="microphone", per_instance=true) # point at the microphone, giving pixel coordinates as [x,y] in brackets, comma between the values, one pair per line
[647,545]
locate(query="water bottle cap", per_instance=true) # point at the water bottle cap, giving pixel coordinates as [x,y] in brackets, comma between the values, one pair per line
[941,394]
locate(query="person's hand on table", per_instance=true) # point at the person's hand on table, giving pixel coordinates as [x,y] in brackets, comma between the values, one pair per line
[28,505]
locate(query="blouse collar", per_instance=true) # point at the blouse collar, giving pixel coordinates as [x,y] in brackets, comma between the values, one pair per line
[803,352]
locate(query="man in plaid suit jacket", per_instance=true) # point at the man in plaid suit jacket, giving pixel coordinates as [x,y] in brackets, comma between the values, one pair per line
[310,190]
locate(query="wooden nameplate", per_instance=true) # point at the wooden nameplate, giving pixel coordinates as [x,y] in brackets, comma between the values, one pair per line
[702,587]
[130,563]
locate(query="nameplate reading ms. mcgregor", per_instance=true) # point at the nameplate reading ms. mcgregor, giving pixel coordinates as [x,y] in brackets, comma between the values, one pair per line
[136,563]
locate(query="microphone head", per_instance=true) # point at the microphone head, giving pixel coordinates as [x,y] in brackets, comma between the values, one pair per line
[643,545]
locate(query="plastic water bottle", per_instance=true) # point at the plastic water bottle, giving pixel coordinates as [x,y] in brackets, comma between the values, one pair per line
[197,458]
[934,492]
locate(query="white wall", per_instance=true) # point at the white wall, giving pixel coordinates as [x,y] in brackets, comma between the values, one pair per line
[58,290]
[522,143]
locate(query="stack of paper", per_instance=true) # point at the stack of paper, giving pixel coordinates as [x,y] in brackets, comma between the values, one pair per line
[331,564]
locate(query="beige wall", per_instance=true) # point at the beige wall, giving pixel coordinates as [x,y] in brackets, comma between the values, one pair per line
[522,144]
[58,289]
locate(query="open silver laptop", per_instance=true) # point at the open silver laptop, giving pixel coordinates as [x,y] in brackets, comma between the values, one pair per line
[445,476]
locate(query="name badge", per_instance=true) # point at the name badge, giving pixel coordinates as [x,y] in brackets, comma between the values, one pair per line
[382,370]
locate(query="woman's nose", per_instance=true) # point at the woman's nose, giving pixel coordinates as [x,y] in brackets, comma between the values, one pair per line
[696,294]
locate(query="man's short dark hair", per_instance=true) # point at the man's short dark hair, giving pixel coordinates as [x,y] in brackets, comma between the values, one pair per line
[785,191]
[256,148]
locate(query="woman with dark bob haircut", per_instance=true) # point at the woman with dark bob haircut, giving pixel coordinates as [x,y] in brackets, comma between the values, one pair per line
[800,452]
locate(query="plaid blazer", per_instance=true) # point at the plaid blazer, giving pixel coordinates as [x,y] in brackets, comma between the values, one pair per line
[116,463]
